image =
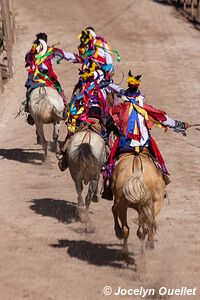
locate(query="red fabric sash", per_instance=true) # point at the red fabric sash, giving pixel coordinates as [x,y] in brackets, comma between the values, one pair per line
[158,155]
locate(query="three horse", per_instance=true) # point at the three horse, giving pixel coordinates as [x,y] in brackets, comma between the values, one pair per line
[137,183]
[46,106]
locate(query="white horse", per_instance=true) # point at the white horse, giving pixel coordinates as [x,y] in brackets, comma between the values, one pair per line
[86,155]
[46,106]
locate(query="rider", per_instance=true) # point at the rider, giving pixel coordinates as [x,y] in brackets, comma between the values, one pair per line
[134,120]
[97,49]
[39,62]
[87,108]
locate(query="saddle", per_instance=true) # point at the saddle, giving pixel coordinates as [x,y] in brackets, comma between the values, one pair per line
[143,152]
[96,126]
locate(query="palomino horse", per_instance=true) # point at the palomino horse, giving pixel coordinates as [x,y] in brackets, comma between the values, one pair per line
[86,155]
[46,106]
[139,184]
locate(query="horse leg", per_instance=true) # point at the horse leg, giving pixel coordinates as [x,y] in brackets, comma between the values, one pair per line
[91,194]
[95,197]
[142,229]
[157,204]
[151,232]
[38,138]
[56,127]
[79,189]
[40,133]
[118,230]
[122,214]
[142,232]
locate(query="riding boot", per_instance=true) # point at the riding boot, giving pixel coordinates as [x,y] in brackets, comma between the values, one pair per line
[30,120]
[63,164]
[107,190]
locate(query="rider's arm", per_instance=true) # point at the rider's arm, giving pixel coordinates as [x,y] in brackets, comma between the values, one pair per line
[167,121]
[60,54]
[116,89]
[178,126]
[108,67]
[75,58]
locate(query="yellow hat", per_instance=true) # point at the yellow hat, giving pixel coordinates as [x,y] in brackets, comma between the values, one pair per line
[88,71]
[85,37]
[133,80]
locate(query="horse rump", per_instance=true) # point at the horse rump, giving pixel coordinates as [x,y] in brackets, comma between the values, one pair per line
[47,109]
[43,111]
[86,163]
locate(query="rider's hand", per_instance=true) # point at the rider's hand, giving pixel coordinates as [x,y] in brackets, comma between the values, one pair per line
[181,127]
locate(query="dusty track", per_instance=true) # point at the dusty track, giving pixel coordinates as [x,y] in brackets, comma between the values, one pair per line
[46,252]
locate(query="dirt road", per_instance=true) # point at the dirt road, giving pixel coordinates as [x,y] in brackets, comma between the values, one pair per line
[45,251]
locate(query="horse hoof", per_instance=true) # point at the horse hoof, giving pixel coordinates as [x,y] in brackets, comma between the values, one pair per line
[95,199]
[141,233]
[127,259]
[62,164]
[81,203]
[118,233]
[149,245]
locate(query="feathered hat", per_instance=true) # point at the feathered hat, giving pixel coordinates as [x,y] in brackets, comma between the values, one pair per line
[85,37]
[41,41]
[133,81]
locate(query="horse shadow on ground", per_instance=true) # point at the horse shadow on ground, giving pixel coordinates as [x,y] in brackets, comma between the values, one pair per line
[64,211]
[67,213]
[96,254]
[167,2]
[22,155]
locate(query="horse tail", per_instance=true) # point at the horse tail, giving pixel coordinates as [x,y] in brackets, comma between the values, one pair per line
[86,163]
[137,193]
[43,110]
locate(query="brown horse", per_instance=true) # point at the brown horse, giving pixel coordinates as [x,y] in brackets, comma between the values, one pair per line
[139,184]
